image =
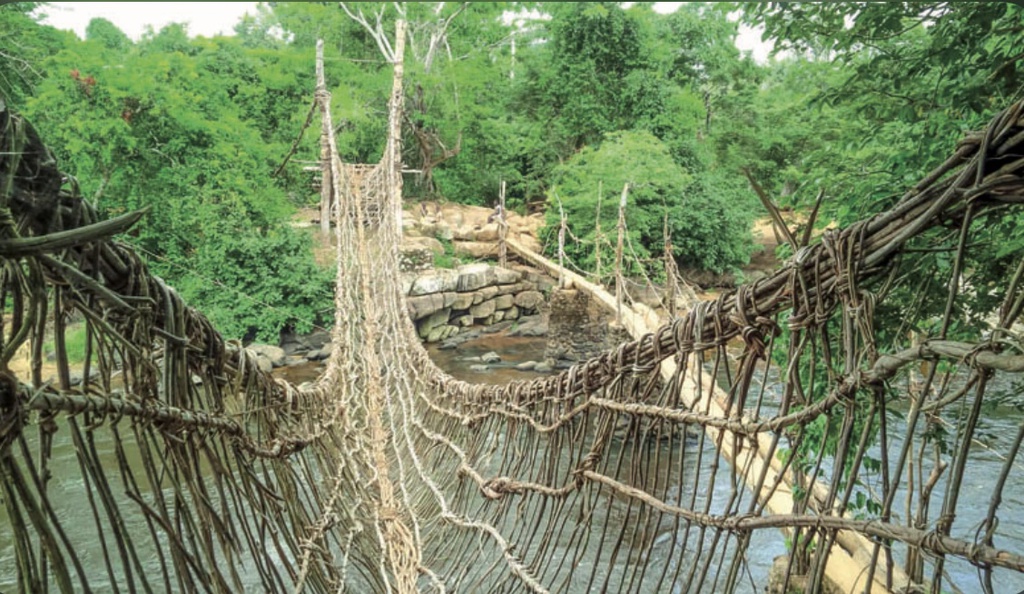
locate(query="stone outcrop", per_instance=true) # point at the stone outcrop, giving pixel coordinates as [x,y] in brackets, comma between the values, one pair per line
[444,302]
[268,356]
[579,327]
[436,281]
[422,306]
[470,232]
[529,299]
[476,249]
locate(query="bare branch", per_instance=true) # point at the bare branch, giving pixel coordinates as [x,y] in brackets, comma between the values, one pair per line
[376,32]
[440,35]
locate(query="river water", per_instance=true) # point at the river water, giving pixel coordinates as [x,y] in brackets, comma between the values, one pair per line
[1000,425]
[997,429]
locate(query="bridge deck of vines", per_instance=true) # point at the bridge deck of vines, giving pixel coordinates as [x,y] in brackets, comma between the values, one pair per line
[870,365]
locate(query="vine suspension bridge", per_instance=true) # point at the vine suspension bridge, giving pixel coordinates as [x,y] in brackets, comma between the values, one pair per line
[200,472]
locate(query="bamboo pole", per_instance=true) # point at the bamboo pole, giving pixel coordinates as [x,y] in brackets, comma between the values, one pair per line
[561,246]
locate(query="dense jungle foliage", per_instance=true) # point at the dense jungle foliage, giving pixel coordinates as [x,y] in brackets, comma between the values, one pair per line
[565,102]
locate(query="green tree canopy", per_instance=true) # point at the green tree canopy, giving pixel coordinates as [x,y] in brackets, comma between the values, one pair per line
[191,128]
[107,34]
[709,230]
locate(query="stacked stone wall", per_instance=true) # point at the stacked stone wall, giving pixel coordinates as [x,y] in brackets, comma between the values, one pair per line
[443,303]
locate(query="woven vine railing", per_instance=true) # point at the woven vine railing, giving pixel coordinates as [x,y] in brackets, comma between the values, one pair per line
[177,465]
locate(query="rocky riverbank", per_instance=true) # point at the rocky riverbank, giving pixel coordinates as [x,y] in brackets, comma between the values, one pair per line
[443,303]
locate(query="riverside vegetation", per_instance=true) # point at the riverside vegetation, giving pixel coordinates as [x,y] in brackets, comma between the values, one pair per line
[564,102]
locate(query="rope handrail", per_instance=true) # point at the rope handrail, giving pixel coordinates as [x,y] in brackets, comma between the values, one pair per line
[202,472]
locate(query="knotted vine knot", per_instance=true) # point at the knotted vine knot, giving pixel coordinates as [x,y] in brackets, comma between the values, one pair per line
[497,487]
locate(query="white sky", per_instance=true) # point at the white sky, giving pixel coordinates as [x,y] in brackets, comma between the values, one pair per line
[203,18]
[211,18]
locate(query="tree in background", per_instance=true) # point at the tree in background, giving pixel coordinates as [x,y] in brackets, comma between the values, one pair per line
[709,231]
[629,93]
[24,46]
[533,94]
[900,80]
[887,90]
[185,126]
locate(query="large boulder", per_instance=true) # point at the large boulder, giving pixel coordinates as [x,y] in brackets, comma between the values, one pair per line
[475,249]
[530,242]
[488,232]
[424,305]
[441,332]
[463,301]
[513,289]
[438,281]
[503,302]
[262,363]
[317,339]
[429,244]
[320,354]
[293,341]
[474,276]
[483,310]
[530,326]
[439,318]
[432,228]
[504,276]
[275,355]
[526,225]
[444,231]
[489,292]
[529,299]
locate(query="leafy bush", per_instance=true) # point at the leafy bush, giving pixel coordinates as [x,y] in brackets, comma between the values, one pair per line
[193,129]
[75,338]
[253,285]
[446,259]
[708,216]
[716,214]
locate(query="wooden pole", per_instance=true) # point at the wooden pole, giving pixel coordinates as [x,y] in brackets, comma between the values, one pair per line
[502,229]
[323,99]
[395,106]
[597,233]
[847,562]
[670,270]
[512,67]
[561,246]
[618,254]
